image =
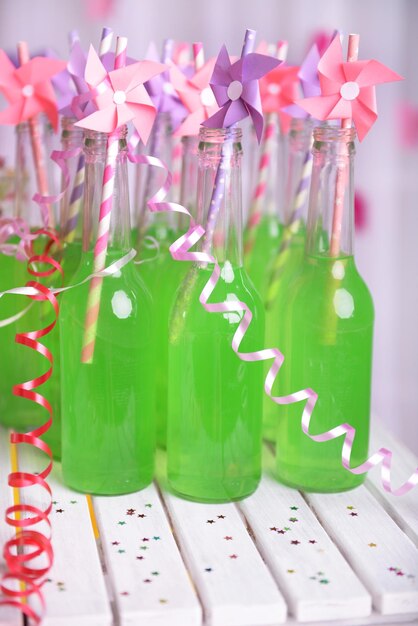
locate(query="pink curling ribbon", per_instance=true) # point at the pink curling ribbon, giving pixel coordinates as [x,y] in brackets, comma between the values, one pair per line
[180,251]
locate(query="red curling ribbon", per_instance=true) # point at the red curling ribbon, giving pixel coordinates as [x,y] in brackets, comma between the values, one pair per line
[29,544]
[180,251]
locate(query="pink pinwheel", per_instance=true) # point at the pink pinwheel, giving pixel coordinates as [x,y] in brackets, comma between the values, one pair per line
[280,88]
[347,89]
[28,89]
[237,91]
[196,95]
[120,96]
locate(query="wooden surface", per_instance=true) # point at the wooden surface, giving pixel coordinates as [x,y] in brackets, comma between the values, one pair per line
[279,557]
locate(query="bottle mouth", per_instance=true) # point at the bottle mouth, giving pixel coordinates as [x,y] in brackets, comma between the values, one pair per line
[96,143]
[325,133]
[220,135]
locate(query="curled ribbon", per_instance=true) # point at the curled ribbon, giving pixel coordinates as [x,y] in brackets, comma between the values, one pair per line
[180,251]
[30,544]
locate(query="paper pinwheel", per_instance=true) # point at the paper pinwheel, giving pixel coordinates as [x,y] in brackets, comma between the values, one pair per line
[237,91]
[347,89]
[120,96]
[309,80]
[28,89]
[162,92]
[278,89]
[196,95]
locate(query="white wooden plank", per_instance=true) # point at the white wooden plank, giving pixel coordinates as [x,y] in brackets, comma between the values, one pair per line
[8,615]
[403,509]
[75,591]
[382,556]
[316,580]
[375,619]
[234,584]
[151,584]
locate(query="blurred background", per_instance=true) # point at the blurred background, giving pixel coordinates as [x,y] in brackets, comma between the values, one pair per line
[386,164]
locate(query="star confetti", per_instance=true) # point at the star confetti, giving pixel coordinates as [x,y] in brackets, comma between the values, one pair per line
[121,551]
[350,508]
[121,523]
[372,545]
[228,538]
[157,538]
[221,516]
[155,573]
[147,580]
[208,569]
[290,571]
[353,514]
[233,556]
[293,519]
[281,532]
[115,543]
[141,515]
[130,511]
[148,506]
[140,558]
[59,511]
[273,528]
[312,541]
[210,521]
[295,542]
[124,593]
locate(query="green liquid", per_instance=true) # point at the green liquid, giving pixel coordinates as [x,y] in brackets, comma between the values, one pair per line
[328,324]
[264,251]
[18,363]
[215,399]
[107,405]
[162,275]
[291,259]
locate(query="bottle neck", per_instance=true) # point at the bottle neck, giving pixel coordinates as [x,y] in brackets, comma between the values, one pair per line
[331,200]
[32,169]
[95,160]
[219,193]
[299,171]
[70,206]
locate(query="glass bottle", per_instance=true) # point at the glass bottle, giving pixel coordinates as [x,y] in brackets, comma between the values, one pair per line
[108,430]
[214,398]
[264,229]
[328,322]
[288,256]
[20,363]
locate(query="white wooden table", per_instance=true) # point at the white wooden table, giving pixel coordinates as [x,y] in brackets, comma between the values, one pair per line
[279,557]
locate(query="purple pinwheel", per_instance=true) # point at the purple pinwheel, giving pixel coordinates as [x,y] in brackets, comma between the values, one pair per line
[309,79]
[162,92]
[237,91]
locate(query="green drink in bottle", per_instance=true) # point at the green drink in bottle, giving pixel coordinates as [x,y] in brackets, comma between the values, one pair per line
[288,257]
[108,427]
[162,274]
[215,399]
[20,363]
[328,332]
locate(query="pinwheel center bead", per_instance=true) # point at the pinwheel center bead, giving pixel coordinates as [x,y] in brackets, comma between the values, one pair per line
[274,89]
[28,91]
[119,97]
[234,90]
[350,90]
[207,98]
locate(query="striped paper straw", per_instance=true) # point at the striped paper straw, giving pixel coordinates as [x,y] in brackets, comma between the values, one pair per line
[263,179]
[219,182]
[77,193]
[76,199]
[198,55]
[176,160]
[36,141]
[100,250]
[301,197]
[340,184]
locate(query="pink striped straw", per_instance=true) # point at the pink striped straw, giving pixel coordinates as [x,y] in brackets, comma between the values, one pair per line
[100,249]
[198,55]
[36,141]
[271,126]
[340,184]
